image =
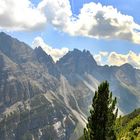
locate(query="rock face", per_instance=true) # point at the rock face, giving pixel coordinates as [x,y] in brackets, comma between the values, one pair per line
[41,99]
[47,61]
[77,62]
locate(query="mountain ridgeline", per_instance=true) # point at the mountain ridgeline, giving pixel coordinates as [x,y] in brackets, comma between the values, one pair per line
[41,99]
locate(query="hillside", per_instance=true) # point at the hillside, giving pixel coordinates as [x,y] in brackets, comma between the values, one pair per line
[39,97]
[128,127]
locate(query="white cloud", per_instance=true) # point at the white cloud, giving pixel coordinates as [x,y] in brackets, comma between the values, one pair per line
[103,54]
[99,57]
[54,52]
[58,12]
[105,22]
[94,20]
[20,15]
[117,59]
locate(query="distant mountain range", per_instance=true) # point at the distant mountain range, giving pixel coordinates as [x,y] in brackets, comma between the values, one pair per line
[42,100]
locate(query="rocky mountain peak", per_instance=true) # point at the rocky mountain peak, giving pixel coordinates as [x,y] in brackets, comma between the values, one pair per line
[127,74]
[17,51]
[47,61]
[76,62]
[43,56]
[127,66]
[3,34]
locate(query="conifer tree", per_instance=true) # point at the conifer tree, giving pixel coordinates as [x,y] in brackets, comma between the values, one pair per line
[102,117]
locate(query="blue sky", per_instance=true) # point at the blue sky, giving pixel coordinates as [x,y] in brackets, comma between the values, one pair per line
[64,40]
[59,38]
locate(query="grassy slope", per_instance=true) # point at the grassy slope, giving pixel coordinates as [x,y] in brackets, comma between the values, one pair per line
[128,127]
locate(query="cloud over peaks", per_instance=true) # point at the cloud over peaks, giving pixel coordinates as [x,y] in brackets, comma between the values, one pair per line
[117,59]
[54,52]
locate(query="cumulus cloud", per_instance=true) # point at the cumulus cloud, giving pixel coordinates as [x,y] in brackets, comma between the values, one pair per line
[117,59]
[100,56]
[20,15]
[94,20]
[54,52]
[58,12]
[98,59]
[105,22]
[103,54]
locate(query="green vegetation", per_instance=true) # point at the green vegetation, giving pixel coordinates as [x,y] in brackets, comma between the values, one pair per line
[128,127]
[101,122]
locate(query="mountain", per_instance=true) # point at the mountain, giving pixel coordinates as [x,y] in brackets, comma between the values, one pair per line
[77,61]
[41,99]
[33,99]
[17,51]
[47,61]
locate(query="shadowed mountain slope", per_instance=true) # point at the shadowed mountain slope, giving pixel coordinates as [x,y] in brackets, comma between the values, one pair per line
[39,97]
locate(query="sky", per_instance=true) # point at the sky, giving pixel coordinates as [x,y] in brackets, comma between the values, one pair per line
[109,29]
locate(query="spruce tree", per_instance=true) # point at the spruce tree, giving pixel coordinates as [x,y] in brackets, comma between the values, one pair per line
[102,117]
